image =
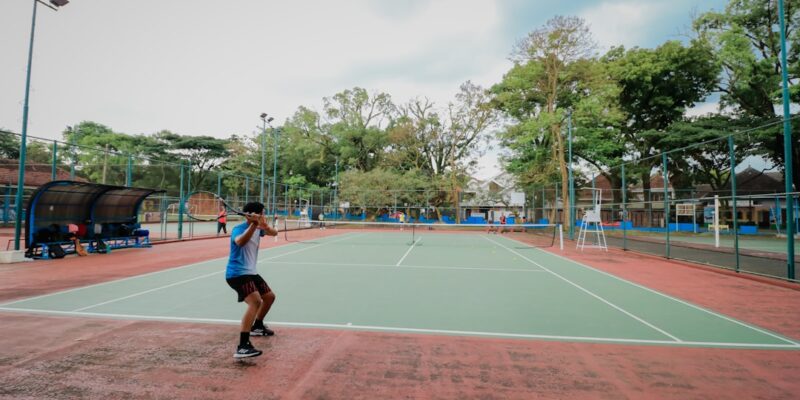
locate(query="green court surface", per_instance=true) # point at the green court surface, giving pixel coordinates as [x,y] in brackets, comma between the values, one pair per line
[450,284]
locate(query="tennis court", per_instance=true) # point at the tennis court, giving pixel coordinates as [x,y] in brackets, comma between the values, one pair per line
[425,282]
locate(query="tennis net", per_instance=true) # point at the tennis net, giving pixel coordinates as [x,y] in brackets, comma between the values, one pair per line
[435,234]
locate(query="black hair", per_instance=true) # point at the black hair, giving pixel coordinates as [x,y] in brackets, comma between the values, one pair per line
[253,208]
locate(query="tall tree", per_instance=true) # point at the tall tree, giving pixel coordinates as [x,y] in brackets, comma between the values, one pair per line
[357,121]
[203,153]
[746,42]
[443,143]
[656,87]
[553,71]
[541,77]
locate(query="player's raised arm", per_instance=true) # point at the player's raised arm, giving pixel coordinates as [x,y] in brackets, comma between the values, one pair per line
[253,222]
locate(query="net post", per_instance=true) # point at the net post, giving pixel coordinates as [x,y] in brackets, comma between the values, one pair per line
[561,237]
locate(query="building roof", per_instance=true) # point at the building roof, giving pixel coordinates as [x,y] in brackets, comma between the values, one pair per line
[35,174]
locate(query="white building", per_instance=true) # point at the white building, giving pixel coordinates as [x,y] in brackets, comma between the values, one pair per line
[486,200]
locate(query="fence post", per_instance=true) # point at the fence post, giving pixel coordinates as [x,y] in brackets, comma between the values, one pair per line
[7,203]
[180,206]
[72,163]
[624,212]
[219,184]
[129,172]
[733,201]
[571,179]
[54,170]
[787,148]
[666,198]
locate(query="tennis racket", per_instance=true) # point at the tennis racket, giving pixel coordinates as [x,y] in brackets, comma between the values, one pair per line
[205,206]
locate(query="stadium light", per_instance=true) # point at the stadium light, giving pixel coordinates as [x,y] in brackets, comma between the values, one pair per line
[267,120]
[23,148]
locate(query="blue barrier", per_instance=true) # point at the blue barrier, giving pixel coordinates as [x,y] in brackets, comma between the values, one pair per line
[682,227]
[748,230]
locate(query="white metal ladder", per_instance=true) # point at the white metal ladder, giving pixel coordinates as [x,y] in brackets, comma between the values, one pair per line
[592,223]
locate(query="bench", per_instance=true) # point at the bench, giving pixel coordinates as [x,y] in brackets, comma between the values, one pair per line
[42,250]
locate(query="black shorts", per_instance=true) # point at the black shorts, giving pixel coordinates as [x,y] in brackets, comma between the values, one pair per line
[246,284]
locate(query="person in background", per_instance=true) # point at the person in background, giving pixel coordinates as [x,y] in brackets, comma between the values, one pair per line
[222,221]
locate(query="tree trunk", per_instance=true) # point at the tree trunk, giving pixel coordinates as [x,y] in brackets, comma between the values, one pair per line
[562,164]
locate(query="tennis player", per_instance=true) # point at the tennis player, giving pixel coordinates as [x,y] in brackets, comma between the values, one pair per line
[242,275]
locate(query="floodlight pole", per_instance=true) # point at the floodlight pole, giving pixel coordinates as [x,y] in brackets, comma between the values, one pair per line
[787,149]
[263,156]
[23,148]
[275,134]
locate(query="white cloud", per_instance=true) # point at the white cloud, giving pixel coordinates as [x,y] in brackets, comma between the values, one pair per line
[703,109]
[625,23]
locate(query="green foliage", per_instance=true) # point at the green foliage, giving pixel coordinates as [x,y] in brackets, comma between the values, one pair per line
[658,85]
[9,145]
[747,46]
[382,188]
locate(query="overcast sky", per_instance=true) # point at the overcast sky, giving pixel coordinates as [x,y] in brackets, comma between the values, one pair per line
[210,67]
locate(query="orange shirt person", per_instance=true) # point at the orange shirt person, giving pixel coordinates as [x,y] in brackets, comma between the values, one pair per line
[222,221]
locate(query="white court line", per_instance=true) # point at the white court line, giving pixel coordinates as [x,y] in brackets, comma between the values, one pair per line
[132,277]
[409,330]
[312,247]
[193,279]
[153,273]
[408,252]
[409,266]
[674,299]
[148,291]
[114,281]
[587,291]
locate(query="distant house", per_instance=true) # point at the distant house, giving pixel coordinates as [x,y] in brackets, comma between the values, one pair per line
[35,175]
[756,199]
[487,199]
[758,195]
